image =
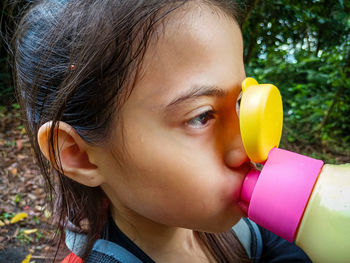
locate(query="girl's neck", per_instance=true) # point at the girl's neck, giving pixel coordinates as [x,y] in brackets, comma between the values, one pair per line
[161,243]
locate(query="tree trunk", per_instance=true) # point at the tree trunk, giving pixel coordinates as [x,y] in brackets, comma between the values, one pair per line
[330,109]
[251,5]
[254,36]
[319,37]
[251,48]
[337,95]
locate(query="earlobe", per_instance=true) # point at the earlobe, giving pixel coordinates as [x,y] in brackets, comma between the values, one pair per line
[72,153]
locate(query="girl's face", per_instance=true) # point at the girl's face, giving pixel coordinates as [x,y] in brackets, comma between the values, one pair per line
[186,162]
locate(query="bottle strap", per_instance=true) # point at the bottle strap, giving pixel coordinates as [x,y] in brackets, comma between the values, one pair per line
[75,242]
[246,230]
[110,250]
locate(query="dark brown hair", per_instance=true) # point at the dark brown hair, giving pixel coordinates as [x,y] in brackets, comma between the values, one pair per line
[76,61]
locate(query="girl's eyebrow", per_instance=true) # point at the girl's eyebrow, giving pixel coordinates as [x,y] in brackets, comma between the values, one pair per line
[197,91]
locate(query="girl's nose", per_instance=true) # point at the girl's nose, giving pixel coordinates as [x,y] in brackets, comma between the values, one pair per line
[234,152]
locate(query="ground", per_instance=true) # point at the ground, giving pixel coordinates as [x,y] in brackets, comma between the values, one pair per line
[22,191]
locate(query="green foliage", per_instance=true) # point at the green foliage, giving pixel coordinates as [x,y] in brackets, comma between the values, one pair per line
[6,215]
[23,238]
[29,238]
[303,47]
[10,14]
[6,89]
[18,198]
[16,106]
[36,220]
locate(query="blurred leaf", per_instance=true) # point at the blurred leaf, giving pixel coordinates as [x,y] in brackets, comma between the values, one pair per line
[13,171]
[30,231]
[17,198]
[18,217]
[16,106]
[47,213]
[27,259]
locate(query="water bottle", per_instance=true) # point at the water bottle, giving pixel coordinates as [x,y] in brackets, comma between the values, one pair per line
[298,198]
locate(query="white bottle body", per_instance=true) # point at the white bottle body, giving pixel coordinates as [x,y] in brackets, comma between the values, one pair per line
[324,231]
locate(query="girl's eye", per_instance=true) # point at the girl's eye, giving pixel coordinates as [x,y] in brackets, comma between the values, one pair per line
[202,120]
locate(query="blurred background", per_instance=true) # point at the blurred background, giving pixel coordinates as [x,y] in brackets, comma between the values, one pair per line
[302,47]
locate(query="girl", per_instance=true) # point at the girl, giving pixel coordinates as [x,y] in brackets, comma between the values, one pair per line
[131,109]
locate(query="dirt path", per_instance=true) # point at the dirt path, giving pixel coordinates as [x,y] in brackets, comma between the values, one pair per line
[21,191]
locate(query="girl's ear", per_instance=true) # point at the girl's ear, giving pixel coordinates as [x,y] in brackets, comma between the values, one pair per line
[71,151]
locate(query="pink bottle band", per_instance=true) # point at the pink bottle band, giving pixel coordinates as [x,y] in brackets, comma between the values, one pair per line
[281,192]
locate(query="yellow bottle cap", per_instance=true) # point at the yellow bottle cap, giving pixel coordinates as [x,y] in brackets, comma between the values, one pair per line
[261,118]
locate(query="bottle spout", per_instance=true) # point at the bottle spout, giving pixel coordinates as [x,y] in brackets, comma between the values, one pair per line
[248,189]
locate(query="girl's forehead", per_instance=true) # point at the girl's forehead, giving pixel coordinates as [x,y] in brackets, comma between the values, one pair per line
[198,25]
[199,47]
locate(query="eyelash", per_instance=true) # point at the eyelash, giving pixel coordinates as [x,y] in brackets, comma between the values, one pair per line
[210,114]
[238,103]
